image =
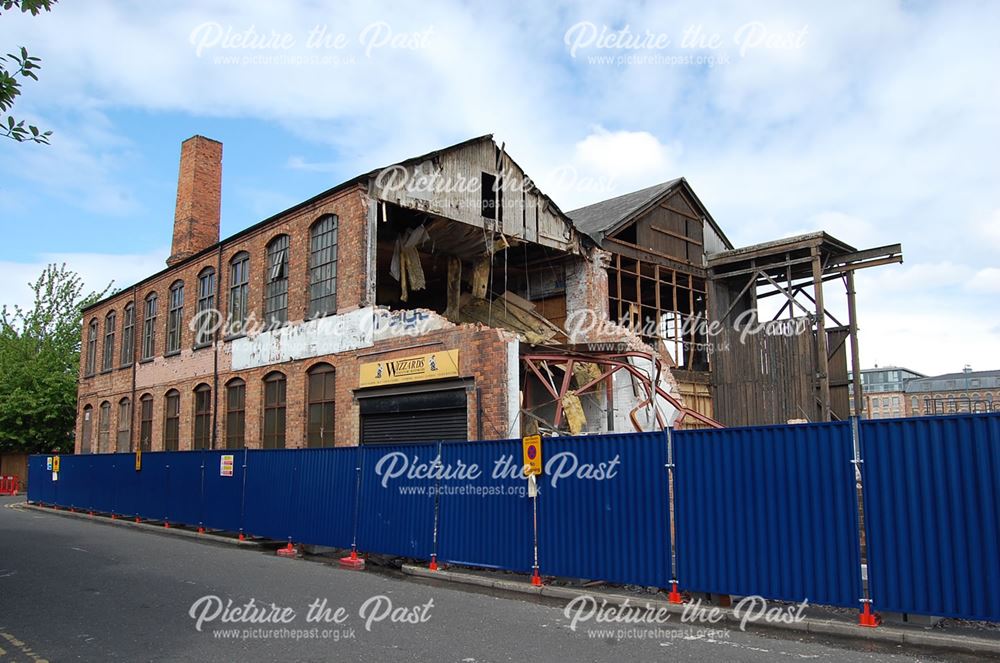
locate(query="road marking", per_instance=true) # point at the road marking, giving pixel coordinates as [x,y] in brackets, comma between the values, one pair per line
[22,647]
[80,549]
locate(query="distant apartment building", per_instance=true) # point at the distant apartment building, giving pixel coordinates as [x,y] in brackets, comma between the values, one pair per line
[951,393]
[883,390]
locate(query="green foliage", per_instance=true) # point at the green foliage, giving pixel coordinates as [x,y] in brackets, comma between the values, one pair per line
[39,364]
[24,66]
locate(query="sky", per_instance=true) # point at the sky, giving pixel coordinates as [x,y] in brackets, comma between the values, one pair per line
[878,122]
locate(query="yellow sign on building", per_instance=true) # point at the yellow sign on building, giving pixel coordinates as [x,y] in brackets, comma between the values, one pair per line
[430,366]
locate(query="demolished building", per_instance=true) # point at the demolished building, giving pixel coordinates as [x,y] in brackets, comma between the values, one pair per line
[441,298]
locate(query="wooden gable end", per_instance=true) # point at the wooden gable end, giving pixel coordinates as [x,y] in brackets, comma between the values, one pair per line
[671,228]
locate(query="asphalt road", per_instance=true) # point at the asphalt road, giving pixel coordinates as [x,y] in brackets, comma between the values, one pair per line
[81,590]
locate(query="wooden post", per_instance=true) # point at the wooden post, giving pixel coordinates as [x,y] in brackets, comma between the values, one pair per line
[852,322]
[823,358]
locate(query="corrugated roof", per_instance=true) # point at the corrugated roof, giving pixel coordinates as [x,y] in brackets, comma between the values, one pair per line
[597,219]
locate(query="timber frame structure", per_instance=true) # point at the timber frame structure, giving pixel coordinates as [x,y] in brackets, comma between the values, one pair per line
[794,366]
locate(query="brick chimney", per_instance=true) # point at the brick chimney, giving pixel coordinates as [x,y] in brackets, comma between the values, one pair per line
[199,198]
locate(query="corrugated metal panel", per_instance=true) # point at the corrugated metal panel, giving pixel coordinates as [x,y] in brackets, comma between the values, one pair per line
[324,501]
[39,484]
[932,514]
[270,485]
[614,529]
[485,521]
[74,487]
[152,484]
[223,496]
[769,511]
[183,493]
[103,477]
[396,518]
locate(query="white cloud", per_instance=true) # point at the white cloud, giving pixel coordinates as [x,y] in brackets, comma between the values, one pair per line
[986,280]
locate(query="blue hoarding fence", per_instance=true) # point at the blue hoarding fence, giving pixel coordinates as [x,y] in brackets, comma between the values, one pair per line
[768,511]
[932,514]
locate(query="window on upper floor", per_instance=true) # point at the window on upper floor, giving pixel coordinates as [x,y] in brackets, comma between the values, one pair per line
[323,266]
[128,335]
[149,327]
[108,356]
[206,318]
[90,365]
[239,292]
[175,318]
[276,285]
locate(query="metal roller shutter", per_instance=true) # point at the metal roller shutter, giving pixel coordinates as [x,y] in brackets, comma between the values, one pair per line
[418,417]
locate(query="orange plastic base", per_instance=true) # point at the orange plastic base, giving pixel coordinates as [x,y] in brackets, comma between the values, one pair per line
[287,551]
[867,617]
[536,580]
[674,596]
[433,566]
[201,530]
[352,561]
[242,538]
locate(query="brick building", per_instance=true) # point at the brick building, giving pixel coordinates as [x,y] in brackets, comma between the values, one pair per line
[952,393]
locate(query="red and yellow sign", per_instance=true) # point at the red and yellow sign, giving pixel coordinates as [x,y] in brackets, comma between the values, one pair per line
[416,368]
[532,447]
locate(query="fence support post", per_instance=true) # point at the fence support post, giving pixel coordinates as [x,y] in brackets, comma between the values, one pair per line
[352,561]
[675,595]
[433,566]
[867,618]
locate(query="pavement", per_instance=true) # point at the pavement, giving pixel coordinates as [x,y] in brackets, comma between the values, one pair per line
[82,589]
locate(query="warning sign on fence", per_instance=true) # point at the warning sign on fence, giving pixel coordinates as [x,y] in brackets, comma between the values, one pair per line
[226,465]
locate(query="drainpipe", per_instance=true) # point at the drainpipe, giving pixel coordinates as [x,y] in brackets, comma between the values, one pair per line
[215,352]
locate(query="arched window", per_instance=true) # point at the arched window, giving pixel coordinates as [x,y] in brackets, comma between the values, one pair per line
[172,421]
[91,364]
[86,438]
[276,285]
[128,335]
[104,429]
[239,289]
[206,307]
[914,406]
[146,422]
[175,318]
[123,441]
[320,431]
[236,416]
[927,405]
[149,327]
[202,417]
[323,266]
[274,411]
[108,357]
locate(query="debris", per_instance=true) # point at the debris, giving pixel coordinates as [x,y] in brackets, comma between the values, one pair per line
[574,412]
[585,373]
[454,288]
